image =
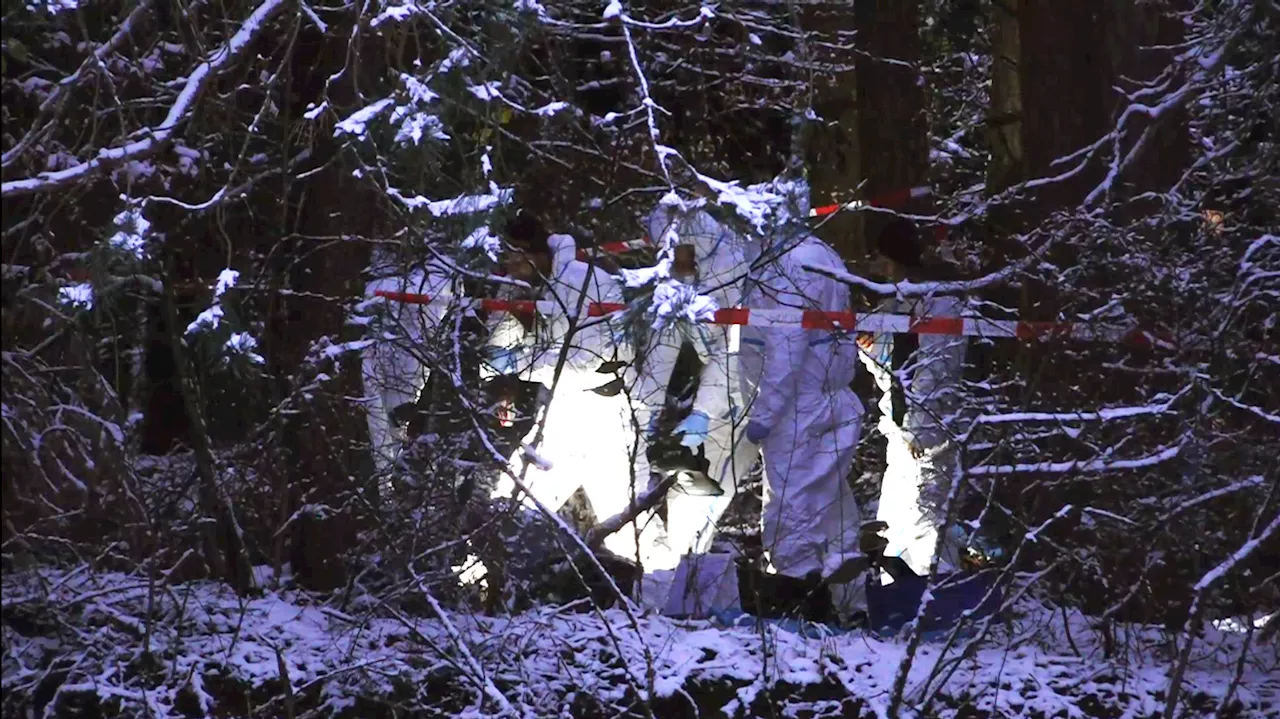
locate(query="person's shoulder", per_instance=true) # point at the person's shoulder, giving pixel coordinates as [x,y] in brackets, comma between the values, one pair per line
[812,250]
[814,242]
[438,267]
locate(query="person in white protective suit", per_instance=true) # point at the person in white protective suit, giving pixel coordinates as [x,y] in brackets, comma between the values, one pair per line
[804,415]
[718,271]
[392,367]
[586,437]
[915,409]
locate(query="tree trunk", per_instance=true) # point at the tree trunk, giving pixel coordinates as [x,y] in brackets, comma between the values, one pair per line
[331,203]
[1004,121]
[223,545]
[1141,39]
[1008,164]
[1065,80]
[835,166]
[893,131]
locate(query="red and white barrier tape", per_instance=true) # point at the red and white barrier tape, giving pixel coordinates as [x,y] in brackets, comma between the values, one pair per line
[888,200]
[874,322]
[614,248]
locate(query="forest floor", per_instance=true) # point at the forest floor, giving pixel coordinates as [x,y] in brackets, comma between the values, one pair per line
[80,643]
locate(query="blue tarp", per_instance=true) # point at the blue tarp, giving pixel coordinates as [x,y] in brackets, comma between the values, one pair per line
[892,606]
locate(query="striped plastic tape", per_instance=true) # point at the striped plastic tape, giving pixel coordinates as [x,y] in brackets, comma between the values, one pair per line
[876,322]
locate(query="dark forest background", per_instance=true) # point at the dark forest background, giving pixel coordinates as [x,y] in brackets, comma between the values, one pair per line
[1091,161]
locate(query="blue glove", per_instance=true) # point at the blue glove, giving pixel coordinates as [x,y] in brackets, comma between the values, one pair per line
[886,353]
[652,430]
[756,432]
[695,428]
[503,360]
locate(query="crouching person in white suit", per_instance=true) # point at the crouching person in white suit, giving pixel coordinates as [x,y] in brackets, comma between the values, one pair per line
[394,368]
[586,435]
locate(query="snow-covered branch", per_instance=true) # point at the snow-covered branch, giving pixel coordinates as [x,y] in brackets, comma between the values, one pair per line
[157,137]
[907,288]
[1094,465]
[54,102]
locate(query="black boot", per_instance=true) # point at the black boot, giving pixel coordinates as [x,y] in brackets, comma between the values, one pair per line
[777,596]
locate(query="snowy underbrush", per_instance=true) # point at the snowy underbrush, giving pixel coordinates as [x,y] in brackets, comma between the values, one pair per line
[80,643]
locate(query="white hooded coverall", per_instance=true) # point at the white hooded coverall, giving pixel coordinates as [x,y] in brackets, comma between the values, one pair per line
[913,489]
[722,270]
[587,437]
[798,382]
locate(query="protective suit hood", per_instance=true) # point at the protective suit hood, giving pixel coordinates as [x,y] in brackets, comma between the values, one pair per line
[564,250]
[778,209]
[693,227]
[785,211]
[718,249]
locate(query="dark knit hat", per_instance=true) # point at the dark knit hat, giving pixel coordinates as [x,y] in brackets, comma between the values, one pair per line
[900,241]
[526,232]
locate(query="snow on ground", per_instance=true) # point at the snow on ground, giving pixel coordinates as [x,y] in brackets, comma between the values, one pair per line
[545,663]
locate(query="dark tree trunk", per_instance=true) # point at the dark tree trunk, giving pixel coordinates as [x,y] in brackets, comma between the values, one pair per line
[835,166]
[1140,41]
[320,462]
[1004,119]
[892,126]
[1065,77]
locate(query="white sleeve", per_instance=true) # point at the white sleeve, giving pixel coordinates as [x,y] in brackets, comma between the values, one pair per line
[713,398]
[784,351]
